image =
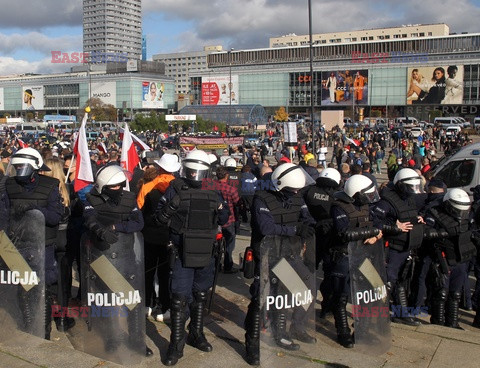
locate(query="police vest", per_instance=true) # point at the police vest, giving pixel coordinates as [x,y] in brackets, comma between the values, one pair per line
[458,247]
[108,213]
[319,201]
[406,211]
[197,220]
[357,218]
[38,197]
[282,215]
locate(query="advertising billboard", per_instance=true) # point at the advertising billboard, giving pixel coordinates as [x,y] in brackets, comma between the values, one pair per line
[32,98]
[2,104]
[440,85]
[215,90]
[152,95]
[342,86]
[105,91]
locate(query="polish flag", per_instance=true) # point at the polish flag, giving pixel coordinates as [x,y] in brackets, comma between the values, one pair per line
[83,172]
[137,141]
[21,143]
[101,147]
[129,158]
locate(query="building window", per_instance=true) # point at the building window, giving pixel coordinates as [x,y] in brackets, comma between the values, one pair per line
[370,38]
[364,38]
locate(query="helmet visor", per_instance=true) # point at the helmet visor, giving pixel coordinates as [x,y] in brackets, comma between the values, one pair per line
[194,174]
[371,193]
[23,169]
[410,185]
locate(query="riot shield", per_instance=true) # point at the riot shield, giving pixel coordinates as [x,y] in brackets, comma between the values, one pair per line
[370,309]
[287,291]
[112,318]
[22,275]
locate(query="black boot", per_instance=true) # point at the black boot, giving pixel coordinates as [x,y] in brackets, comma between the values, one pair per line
[438,308]
[177,326]
[401,301]
[344,336]
[64,323]
[282,339]
[252,334]
[451,313]
[476,320]
[196,337]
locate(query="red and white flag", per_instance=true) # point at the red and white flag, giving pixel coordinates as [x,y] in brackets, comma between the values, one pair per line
[83,172]
[137,141]
[129,158]
[21,143]
[101,147]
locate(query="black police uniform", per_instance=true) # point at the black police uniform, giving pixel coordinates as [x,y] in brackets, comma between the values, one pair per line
[40,193]
[273,213]
[351,222]
[451,248]
[194,215]
[319,199]
[387,211]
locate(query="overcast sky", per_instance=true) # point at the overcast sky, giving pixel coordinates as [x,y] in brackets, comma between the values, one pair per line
[31,29]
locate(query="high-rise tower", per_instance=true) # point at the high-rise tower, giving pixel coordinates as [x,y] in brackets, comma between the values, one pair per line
[113,26]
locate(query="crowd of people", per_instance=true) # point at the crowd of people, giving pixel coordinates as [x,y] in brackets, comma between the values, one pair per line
[182,204]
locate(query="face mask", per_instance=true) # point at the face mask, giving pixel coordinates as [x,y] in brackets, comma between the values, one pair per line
[114,195]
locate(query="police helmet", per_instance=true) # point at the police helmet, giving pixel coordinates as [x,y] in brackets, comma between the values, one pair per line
[290,176]
[108,176]
[407,181]
[331,174]
[457,203]
[361,189]
[230,163]
[196,166]
[26,161]
[212,158]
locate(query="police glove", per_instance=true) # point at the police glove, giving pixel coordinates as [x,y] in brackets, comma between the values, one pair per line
[304,231]
[21,208]
[104,233]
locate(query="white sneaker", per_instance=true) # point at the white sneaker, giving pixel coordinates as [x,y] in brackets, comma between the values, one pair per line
[163,317]
[149,311]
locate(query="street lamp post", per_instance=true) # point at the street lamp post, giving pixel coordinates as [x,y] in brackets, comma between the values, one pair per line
[311,72]
[230,86]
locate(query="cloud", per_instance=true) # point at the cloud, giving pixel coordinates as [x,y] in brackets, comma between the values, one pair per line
[35,41]
[35,14]
[11,66]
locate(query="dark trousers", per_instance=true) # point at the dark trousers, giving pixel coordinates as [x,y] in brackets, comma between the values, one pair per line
[186,281]
[229,236]
[157,261]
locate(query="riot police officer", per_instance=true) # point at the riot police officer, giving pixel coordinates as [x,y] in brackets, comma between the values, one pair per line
[28,190]
[113,220]
[193,214]
[351,222]
[319,199]
[451,248]
[398,208]
[280,210]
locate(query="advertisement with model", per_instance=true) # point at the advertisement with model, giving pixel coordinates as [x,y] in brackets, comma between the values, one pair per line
[32,98]
[342,86]
[152,95]
[440,85]
[216,90]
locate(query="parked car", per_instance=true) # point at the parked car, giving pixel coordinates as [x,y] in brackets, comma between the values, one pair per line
[416,132]
[251,140]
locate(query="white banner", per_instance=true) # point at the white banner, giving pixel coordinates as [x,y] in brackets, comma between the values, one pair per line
[32,98]
[105,91]
[180,117]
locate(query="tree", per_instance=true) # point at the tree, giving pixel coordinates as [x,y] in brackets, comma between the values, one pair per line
[281,114]
[98,110]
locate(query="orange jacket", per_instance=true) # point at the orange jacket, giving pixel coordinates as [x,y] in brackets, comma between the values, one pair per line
[161,182]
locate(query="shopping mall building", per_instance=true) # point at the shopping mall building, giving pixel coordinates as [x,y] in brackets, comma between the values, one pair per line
[404,71]
[354,71]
